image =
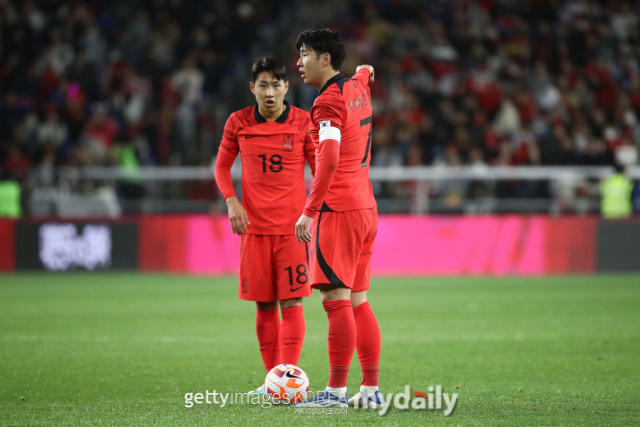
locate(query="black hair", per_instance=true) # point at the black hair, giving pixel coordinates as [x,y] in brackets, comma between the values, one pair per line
[323,40]
[270,65]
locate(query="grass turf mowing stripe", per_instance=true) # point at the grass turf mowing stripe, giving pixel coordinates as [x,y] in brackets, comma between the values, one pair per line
[124,349]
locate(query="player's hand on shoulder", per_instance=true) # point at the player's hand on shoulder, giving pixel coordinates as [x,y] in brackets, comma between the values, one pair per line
[237,216]
[368,67]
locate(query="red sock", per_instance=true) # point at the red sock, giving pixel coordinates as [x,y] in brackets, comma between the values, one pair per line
[342,340]
[367,343]
[268,330]
[291,334]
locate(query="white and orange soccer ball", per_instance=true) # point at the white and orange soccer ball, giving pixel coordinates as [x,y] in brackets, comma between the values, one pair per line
[286,384]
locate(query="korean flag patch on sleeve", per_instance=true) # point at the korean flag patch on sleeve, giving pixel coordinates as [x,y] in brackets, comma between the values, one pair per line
[326,131]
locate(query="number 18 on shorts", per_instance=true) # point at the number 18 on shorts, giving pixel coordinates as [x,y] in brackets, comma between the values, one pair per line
[273,268]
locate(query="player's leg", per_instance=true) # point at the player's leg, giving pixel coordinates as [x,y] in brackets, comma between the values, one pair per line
[368,349]
[336,242]
[341,342]
[291,266]
[358,298]
[368,341]
[368,331]
[266,306]
[342,334]
[292,330]
[256,284]
[268,331]
[290,303]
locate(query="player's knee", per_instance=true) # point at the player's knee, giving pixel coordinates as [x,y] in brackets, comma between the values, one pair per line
[333,293]
[264,306]
[291,302]
[358,298]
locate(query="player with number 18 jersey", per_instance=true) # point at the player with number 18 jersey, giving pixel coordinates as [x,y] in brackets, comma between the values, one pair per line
[272,140]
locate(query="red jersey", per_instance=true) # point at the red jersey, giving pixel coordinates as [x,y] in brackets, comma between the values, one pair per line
[273,155]
[342,112]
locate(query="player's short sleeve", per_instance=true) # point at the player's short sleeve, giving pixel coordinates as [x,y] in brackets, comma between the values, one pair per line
[229,141]
[329,109]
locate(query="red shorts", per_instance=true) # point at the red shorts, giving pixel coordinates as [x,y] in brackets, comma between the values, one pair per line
[341,248]
[273,268]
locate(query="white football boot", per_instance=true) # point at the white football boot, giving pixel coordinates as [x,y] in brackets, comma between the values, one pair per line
[259,390]
[367,398]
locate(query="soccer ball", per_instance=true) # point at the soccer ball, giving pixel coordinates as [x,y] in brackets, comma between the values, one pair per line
[286,384]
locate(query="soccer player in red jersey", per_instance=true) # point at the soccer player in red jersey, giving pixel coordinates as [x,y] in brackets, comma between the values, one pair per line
[273,142]
[342,200]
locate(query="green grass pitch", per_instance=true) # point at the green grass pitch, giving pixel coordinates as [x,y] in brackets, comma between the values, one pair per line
[123,349]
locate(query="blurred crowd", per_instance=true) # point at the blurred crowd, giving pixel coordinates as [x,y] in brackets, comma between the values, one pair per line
[460,82]
[500,82]
[80,80]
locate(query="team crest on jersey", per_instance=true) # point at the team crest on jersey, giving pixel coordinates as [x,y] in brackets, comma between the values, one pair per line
[324,124]
[288,142]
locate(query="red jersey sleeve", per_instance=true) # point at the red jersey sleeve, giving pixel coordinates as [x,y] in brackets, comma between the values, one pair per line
[362,76]
[227,154]
[331,114]
[310,153]
[331,111]
[327,163]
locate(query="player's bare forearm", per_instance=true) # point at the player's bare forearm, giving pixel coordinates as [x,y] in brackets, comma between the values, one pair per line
[237,216]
